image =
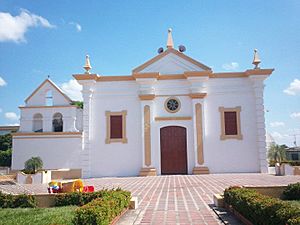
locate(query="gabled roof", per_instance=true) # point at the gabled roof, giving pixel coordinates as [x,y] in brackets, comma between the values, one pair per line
[53,85]
[165,53]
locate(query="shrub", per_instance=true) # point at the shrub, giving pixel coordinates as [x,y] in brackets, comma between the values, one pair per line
[292,192]
[101,211]
[261,209]
[5,158]
[80,199]
[17,201]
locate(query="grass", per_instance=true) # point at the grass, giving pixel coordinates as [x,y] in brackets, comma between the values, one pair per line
[38,216]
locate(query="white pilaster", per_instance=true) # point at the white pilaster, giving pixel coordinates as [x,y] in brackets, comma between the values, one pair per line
[258,88]
[87,94]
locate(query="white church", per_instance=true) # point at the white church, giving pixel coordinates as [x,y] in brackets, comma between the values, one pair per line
[172,115]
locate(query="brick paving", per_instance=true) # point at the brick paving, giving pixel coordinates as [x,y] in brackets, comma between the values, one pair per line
[178,199]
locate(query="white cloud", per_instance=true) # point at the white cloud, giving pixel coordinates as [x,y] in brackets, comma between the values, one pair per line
[13,28]
[277,135]
[277,124]
[230,66]
[72,89]
[12,124]
[295,115]
[77,26]
[294,88]
[2,81]
[11,116]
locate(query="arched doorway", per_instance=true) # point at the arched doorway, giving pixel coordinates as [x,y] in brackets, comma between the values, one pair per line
[173,150]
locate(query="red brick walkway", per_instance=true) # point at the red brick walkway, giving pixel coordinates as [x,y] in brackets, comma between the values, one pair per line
[179,199]
[183,199]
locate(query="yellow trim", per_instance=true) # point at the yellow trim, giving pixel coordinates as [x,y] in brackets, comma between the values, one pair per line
[53,85]
[239,135]
[145,75]
[171,77]
[166,102]
[200,170]
[108,139]
[115,78]
[148,171]
[44,133]
[147,97]
[85,76]
[185,75]
[205,73]
[147,135]
[173,118]
[45,137]
[198,111]
[197,95]
[54,106]
[228,75]
[259,72]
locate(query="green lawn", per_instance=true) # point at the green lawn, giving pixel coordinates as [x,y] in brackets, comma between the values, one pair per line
[38,216]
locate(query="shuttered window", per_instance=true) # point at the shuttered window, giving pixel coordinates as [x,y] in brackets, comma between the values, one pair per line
[116,127]
[230,120]
[230,123]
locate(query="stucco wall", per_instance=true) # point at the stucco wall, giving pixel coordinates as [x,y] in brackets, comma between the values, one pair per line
[56,152]
[115,159]
[39,98]
[230,155]
[72,118]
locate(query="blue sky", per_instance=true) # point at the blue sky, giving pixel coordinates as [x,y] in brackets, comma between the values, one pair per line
[40,38]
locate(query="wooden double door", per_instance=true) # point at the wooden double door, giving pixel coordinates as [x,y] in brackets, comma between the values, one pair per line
[173,147]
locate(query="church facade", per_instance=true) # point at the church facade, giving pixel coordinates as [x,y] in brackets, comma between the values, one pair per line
[172,115]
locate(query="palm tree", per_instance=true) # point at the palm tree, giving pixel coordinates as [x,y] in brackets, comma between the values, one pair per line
[33,164]
[276,153]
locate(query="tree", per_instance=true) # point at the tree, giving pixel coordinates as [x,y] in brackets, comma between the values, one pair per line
[276,153]
[5,158]
[5,142]
[78,104]
[33,164]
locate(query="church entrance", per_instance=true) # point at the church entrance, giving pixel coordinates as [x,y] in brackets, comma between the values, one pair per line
[173,148]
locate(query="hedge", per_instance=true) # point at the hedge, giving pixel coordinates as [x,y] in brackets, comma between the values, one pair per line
[292,192]
[17,201]
[80,199]
[101,211]
[261,209]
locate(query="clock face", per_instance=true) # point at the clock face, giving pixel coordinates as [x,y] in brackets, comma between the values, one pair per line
[172,105]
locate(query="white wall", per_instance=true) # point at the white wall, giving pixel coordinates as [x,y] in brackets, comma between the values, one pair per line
[115,159]
[39,98]
[56,152]
[230,155]
[72,118]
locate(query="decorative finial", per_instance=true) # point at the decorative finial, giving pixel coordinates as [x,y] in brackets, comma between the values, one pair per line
[256,60]
[87,65]
[170,43]
[48,76]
